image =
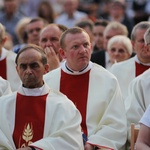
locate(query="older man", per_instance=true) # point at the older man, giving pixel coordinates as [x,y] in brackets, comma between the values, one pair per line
[49,41]
[39,118]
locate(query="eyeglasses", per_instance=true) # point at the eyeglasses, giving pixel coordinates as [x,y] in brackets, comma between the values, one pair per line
[32,30]
[121,51]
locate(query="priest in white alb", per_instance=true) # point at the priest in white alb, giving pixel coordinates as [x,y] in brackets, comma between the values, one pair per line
[93,90]
[36,117]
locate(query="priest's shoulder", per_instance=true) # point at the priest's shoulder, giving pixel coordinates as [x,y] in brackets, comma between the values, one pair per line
[8,98]
[123,64]
[143,79]
[51,73]
[56,96]
[102,73]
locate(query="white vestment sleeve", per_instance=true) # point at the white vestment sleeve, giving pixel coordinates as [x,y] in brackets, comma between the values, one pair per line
[5,143]
[145,118]
[110,124]
[4,87]
[138,99]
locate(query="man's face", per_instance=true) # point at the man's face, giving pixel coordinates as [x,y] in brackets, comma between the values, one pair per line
[31,69]
[33,31]
[138,46]
[70,6]
[109,34]
[10,6]
[49,37]
[77,51]
[98,36]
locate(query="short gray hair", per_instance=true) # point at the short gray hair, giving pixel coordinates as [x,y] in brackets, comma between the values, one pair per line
[121,39]
[147,36]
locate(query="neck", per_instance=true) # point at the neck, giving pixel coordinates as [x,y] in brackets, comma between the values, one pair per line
[76,70]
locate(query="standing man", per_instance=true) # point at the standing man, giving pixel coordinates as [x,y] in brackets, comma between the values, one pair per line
[39,118]
[70,14]
[127,70]
[85,84]
[49,41]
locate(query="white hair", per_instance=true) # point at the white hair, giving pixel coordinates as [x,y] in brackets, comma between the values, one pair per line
[121,39]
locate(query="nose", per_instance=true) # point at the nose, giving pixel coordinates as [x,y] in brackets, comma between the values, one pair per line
[28,70]
[82,49]
[116,52]
[48,43]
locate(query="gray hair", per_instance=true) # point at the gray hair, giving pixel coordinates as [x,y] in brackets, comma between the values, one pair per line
[2,32]
[114,25]
[147,36]
[121,39]
[142,25]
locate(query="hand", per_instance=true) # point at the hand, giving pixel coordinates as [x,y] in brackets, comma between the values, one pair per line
[52,58]
[88,147]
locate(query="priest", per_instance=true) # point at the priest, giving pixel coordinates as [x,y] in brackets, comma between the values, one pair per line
[93,90]
[36,117]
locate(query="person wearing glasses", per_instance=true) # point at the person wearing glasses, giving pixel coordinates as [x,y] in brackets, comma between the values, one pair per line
[119,49]
[33,29]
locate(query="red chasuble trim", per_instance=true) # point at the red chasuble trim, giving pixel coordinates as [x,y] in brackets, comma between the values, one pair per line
[140,68]
[76,89]
[3,69]
[29,119]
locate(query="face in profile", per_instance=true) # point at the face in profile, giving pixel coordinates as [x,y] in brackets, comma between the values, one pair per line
[138,45]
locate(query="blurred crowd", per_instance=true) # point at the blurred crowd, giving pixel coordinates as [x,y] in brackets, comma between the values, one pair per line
[128,12]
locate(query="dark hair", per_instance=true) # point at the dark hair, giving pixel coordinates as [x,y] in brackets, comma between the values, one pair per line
[85,23]
[102,22]
[50,17]
[36,19]
[35,47]
[62,27]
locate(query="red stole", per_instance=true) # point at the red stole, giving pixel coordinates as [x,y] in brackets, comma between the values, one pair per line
[76,89]
[3,73]
[140,68]
[29,119]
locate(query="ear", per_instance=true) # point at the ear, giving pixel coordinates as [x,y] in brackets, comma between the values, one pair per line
[91,46]
[17,68]
[4,40]
[46,68]
[132,42]
[62,53]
